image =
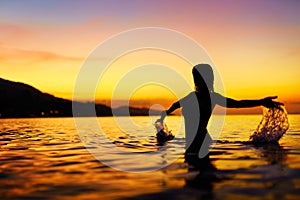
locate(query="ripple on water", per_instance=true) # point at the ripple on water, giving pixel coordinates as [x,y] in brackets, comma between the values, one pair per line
[50,162]
[64,163]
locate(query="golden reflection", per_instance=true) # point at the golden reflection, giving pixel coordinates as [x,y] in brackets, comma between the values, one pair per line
[45,158]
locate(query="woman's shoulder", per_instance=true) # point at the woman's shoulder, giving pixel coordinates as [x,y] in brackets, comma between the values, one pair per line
[191,95]
[216,95]
[218,98]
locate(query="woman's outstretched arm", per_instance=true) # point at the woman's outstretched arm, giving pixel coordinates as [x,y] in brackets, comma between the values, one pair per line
[232,103]
[164,113]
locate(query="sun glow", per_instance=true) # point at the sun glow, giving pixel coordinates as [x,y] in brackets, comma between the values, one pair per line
[255,50]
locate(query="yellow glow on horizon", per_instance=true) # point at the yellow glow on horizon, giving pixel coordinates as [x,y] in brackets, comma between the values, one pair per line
[131,64]
[257,83]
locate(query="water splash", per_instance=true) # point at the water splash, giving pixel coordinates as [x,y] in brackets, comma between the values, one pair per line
[163,134]
[272,126]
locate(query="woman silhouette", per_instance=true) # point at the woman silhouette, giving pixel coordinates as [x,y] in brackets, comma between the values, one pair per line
[197,108]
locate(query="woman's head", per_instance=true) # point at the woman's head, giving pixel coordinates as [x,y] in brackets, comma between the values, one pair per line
[203,77]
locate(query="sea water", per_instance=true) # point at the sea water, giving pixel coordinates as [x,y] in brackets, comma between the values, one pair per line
[46,159]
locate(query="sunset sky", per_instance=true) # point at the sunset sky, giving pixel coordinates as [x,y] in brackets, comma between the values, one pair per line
[255,45]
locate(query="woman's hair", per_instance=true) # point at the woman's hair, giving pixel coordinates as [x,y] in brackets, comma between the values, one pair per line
[203,77]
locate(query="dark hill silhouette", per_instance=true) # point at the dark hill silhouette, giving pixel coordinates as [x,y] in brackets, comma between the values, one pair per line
[123,111]
[22,100]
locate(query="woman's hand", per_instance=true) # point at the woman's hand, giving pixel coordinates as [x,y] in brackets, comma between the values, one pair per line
[159,120]
[269,103]
[163,114]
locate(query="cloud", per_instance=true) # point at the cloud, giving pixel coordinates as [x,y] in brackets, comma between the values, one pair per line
[11,29]
[294,103]
[13,32]
[11,54]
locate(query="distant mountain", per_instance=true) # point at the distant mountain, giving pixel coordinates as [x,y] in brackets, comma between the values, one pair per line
[22,100]
[124,110]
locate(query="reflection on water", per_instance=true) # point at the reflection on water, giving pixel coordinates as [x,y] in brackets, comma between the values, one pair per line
[45,159]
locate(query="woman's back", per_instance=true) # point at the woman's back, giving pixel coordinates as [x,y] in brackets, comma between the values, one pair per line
[196,109]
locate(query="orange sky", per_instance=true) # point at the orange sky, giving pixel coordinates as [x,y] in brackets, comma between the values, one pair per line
[254,45]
